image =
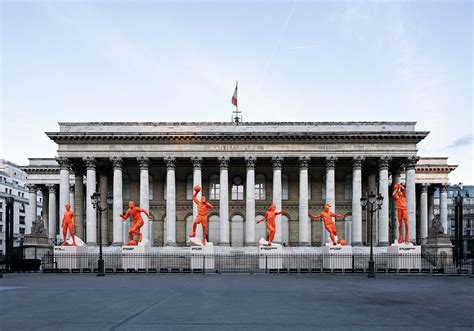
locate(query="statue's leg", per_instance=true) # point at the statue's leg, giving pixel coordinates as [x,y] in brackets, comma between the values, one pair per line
[405,220]
[64,235]
[331,234]
[271,234]
[203,233]
[400,226]
[71,231]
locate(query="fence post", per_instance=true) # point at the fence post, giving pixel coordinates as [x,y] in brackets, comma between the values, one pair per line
[203,263]
[266,264]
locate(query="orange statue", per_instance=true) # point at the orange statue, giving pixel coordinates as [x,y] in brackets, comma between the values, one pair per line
[270,217]
[329,224]
[67,224]
[400,196]
[201,218]
[137,222]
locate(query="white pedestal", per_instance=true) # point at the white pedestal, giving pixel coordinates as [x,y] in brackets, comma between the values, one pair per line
[202,257]
[71,257]
[270,257]
[337,257]
[134,257]
[404,256]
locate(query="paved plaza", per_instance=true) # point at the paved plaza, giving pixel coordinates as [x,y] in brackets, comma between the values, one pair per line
[228,302]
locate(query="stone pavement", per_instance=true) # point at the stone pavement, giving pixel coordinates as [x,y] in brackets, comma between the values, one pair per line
[233,302]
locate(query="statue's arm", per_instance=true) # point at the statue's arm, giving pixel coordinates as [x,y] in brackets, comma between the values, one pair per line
[144,212]
[195,199]
[75,219]
[263,219]
[209,205]
[280,212]
[127,215]
[317,216]
[337,215]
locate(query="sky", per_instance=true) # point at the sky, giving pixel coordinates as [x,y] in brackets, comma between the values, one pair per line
[116,60]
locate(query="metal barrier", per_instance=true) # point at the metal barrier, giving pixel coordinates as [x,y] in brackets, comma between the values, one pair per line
[253,263]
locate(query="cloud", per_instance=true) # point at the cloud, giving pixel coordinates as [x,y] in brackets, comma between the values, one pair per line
[462,141]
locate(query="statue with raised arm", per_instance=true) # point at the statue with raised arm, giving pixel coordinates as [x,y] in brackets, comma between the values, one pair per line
[400,196]
[201,218]
[137,222]
[67,223]
[329,224]
[270,218]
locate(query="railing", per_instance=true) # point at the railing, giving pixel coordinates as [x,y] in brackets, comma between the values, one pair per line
[253,263]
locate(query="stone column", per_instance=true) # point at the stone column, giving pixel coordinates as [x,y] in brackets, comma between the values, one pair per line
[443,208]
[91,216]
[64,166]
[170,201]
[117,208]
[277,164]
[224,201]
[356,195]
[384,209]
[304,233]
[104,216]
[52,218]
[45,193]
[250,202]
[197,180]
[431,194]
[411,196]
[79,201]
[330,192]
[144,163]
[71,195]
[395,179]
[424,213]
[32,202]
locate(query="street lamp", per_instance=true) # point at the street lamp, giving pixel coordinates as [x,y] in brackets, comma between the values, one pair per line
[372,203]
[96,204]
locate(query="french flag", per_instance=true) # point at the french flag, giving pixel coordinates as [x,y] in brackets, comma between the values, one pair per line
[234,97]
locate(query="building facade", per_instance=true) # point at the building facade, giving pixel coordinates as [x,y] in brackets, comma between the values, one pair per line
[242,169]
[13,183]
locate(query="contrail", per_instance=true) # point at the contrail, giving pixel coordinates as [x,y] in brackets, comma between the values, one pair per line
[277,45]
[298,47]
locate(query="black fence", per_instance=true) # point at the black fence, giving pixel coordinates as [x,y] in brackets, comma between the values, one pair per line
[166,263]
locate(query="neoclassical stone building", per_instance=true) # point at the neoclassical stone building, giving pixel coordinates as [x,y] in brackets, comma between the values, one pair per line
[242,168]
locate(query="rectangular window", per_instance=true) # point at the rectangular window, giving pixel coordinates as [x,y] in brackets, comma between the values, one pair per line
[237,192]
[22,230]
[22,219]
[260,191]
[215,191]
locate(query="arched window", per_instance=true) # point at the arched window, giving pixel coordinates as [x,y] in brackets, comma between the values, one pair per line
[214,187]
[260,193]
[237,231]
[150,187]
[348,187]
[189,187]
[285,230]
[260,229]
[284,187]
[126,191]
[213,229]
[237,192]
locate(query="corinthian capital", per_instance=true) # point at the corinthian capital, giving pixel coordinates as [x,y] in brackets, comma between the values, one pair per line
[303,161]
[32,188]
[64,163]
[357,162]
[331,162]
[411,161]
[223,162]
[170,162]
[117,162]
[384,161]
[250,162]
[144,162]
[90,161]
[277,162]
[197,162]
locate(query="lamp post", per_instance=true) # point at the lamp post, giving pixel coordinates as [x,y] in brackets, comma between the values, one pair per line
[96,204]
[372,203]
[458,226]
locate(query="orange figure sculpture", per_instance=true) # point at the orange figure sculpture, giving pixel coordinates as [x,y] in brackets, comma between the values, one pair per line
[271,225]
[400,196]
[137,222]
[201,218]
[67,224]
[329,224]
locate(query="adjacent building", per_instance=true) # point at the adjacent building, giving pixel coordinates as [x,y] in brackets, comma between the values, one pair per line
[13,183]
[242,168]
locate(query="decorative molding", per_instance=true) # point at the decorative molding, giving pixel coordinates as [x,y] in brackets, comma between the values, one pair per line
[384,162]
[331,162]
[277,162]
[444,187]
[303,162]
[144,162]
[411,161]
[90,161]
[64,163]
[170,162]
[357,162]
[51,188]
[250,162]
[117,162]
[197,162]
[223,162]
[424,187]
[32,188]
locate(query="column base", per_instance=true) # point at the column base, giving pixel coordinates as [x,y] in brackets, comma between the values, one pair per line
[223,244]
[357,244]
[304,244]
[383,244]
[117,244]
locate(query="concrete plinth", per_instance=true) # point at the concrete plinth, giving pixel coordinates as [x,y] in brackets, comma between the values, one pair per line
[202,257]
[270,257]
[404,256]
[134,257]
[71,257]
[337,257]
